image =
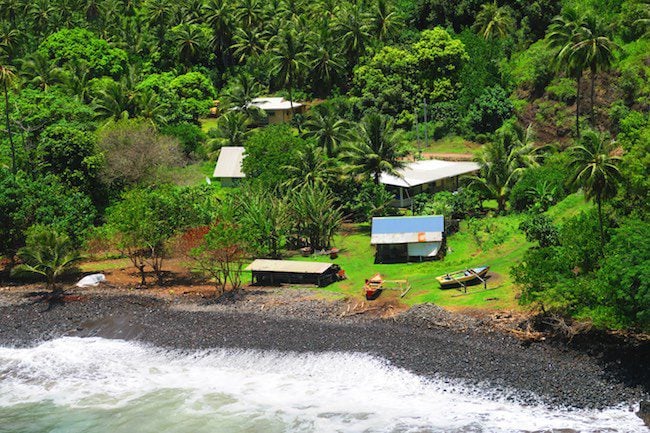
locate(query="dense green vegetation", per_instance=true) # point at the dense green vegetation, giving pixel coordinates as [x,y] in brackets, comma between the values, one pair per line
[105,136]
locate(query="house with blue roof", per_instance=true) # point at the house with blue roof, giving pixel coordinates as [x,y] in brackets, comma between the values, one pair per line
[408,238]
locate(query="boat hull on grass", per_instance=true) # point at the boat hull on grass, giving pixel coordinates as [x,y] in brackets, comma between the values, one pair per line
[465,277]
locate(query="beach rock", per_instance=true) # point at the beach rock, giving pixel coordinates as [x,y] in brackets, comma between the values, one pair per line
[644,412]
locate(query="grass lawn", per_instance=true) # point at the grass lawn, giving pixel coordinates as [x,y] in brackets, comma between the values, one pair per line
[194,174]
[495,241]
[449,144]
[208,123]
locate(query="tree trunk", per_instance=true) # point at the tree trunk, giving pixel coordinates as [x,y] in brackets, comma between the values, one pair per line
[579,79]
[600,224]
[11,141]
[143,276]
[593,97]
[376,177]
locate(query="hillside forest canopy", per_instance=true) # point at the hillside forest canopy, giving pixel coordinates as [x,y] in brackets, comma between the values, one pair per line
[110,106]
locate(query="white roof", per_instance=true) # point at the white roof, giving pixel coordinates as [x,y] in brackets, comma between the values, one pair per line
[290,266]
[229,162]
[274,103]
[422,172]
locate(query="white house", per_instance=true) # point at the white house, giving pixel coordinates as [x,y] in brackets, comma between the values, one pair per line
[277,109]
[426,176]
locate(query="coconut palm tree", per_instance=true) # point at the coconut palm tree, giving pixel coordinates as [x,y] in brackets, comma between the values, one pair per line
[312,167]
[9,40]
[241,95]
[353,31]
[383,21]
[189,42]
[378,148]
[503,161]
[563,34]
[494,21]
[249,13]
[289,59]
[325,66]
[39,71]
[47,253]
[231,130]
[218,15]
[594,50]
[248,42]
[328,130]
[595,170]
[7,77]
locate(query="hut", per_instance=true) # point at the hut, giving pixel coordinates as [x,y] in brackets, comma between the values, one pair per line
[266,272]
[413,238]
[229,165]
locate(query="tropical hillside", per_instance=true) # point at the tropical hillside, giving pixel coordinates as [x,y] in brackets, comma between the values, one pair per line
[114,114]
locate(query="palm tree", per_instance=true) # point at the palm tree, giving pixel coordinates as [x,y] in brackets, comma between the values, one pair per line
[378,149]
[595,171]
[150,107]
[503,161]
[115,101]
[562,36]
[325,66]
[158,14]
[189,41]
[353,31]
[41,72]
[231,130]
[328,130]
[9,40]
[42,14]
[289,59]
[218,16]
[248,42]
[594,50]
[249,13]
[494,21]
[47,253]
[312,167]
[241,95]
[384,21]
[7,77]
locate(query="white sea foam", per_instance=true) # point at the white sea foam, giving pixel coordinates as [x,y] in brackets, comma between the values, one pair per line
[99,385]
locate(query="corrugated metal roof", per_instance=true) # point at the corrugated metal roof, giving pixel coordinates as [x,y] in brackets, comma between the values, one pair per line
[401,230]
[422,172]
[288,266]
[274,103]
[405,238]
[229,162]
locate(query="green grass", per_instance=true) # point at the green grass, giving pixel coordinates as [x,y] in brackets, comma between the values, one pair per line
[193,174]
[208,123]
[571,206]
[494,241]
[449,144]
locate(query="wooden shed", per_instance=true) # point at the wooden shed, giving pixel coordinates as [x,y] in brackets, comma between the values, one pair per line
[275,272]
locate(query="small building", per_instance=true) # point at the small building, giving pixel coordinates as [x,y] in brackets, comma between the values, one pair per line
[278,109]
[430,176]
[275,272]
[412,238]
[229,165]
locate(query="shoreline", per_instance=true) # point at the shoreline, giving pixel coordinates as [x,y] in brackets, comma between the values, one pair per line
[557,376]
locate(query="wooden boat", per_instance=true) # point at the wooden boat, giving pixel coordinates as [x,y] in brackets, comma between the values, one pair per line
[373,287]
[466,277]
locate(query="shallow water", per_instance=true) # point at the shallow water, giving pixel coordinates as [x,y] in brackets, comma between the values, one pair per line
[97,385]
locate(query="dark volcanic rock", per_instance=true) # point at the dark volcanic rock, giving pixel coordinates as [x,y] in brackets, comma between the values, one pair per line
[496,361]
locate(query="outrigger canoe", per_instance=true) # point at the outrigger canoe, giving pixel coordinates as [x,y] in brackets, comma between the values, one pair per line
[465,277]
[373,287]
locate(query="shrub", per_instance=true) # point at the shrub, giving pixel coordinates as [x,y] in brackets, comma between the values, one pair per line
[563,89]
[190,136]
[551,176]
[540,229]
[490,110]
